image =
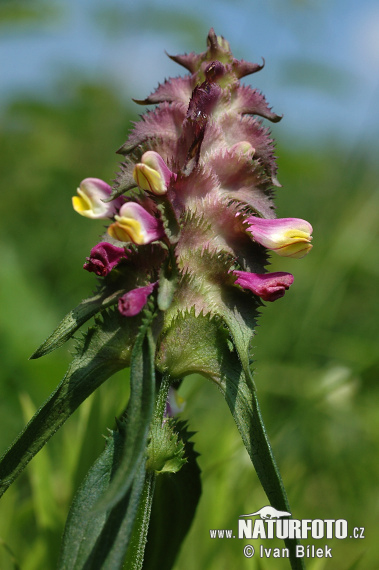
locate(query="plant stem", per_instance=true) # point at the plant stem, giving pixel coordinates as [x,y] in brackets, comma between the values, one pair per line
[136,549]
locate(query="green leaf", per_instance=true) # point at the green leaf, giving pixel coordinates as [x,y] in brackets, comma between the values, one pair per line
[46,509]
[240,394]
[94,539]
[210,291]
[165,451]
[243,404]
[139,412]
[168,279]
[76,318]
[169,218]
[241,320]
[124,180]
[105,349]
[174,505]
[184,351]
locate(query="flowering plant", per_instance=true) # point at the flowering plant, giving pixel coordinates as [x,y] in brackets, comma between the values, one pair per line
[182,277]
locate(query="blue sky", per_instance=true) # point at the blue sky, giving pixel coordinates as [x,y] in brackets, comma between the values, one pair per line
[322,58]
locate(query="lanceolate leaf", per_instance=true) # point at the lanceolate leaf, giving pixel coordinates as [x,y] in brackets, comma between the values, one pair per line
[240,319]
[105,349]
[75,319]
[139,413]
[184,351]
[243,404]
[94,539]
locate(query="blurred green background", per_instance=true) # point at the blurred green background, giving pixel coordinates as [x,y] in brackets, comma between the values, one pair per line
[316,349]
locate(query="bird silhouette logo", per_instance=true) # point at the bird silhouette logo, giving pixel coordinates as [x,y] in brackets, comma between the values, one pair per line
[268,512]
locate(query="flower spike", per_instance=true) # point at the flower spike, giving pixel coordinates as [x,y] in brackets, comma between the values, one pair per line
[289,237]
[204,161]
[89,202]
[268,286]
[135,224]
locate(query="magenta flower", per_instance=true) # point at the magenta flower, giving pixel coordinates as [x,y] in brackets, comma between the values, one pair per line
[268,286]
[289,237]
[152,173]
[134,301]
[135,224]
[103,258]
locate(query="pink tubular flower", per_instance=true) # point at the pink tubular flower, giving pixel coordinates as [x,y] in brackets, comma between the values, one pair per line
[289,237]
[89,202]
[268,286]
[135,224]
[134,301]
[103,258]
[152,173]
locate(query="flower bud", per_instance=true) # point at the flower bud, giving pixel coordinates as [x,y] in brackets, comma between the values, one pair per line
[268,286]
[135,224]
[289,237]
[89,202]
[134,301]
[243,147]
[152,173]
[103,258]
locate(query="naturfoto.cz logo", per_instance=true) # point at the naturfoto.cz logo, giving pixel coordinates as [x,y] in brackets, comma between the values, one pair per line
[271,523]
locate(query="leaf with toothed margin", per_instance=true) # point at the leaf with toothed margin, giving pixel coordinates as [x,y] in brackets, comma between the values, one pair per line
[76,318]
[183,351]
[208,288]
[120,190]
[176,89]
[237,128]
[100,540]
[104,350]
[198,344]
[124,180]
[164,122]
[253,102]
[242,68]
